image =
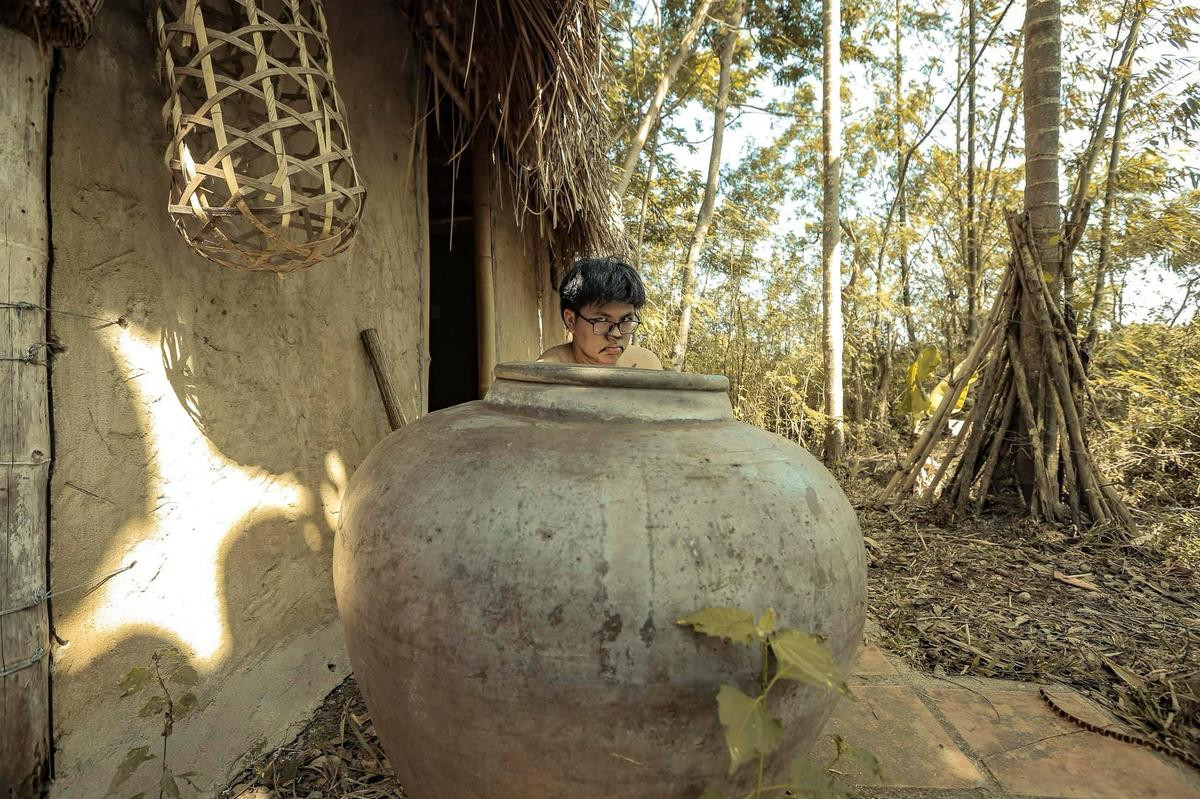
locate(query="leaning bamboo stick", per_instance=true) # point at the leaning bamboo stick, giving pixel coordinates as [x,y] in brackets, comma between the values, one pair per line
[958,439]
[1070,475]
[1034,430]
[965,472]
[902,480]
[993,457]
[391,401]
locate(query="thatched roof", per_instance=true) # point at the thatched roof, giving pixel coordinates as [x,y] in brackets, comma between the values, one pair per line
[528,73]
[53,23]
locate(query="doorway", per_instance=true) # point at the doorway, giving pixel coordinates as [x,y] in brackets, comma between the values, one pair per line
[453,341]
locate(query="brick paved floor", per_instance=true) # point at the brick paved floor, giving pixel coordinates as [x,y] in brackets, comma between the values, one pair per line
[968,737]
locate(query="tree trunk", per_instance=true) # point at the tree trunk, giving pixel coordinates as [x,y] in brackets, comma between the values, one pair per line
[991,183]
[705,215]
[637,252]
[25,452]
[831,140]
[1042,110]
[687,46]
[961,217]
[973,277]
[883,381]
[901,197]
[1104,265]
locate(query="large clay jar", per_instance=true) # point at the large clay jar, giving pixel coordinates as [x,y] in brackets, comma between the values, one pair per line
[509,572]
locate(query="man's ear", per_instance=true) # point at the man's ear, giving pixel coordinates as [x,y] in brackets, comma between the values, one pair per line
[568,317]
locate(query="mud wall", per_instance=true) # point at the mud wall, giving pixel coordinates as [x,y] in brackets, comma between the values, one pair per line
[203,448]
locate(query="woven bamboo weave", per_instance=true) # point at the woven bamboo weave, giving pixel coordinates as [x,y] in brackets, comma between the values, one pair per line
[263,177]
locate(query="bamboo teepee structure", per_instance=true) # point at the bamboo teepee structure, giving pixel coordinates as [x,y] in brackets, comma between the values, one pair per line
[1011,415]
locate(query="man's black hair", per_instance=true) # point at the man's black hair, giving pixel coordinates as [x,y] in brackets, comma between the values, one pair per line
[597,281]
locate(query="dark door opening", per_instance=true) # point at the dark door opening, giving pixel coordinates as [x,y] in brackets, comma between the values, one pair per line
[453,345]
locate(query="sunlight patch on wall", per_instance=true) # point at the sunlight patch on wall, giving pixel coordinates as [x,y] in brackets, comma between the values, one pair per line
[199,499]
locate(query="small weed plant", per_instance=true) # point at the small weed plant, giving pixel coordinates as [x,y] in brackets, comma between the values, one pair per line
[751,733]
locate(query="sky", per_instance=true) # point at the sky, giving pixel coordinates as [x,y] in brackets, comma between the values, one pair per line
[1149,288]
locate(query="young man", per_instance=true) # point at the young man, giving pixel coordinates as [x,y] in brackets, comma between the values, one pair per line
[599,300]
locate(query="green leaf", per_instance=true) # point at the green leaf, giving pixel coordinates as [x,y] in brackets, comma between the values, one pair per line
[732,623]
[807,658]
[712,793]
[185,675]
[135,681]
[154,707]
[766,623]
[811,781]
[168,785]
[133,758]
[923,366]
[749,731]
[939,393]
[186,704]
[915,402]
[860,756]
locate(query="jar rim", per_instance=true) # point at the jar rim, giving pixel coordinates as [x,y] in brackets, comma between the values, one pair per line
[564,374]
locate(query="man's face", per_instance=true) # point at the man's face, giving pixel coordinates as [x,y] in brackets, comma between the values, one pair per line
[605,347]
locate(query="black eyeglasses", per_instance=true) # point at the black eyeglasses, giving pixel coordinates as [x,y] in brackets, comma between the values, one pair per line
[603,327]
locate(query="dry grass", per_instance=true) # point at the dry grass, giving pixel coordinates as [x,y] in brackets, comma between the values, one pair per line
[529,73]
[336,755]
[988,598]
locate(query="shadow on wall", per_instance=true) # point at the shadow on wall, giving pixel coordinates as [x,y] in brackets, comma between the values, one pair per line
[220,548]
[211,440]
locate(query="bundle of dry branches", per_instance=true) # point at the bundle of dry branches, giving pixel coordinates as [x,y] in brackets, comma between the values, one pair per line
[529,74]
[1011,411]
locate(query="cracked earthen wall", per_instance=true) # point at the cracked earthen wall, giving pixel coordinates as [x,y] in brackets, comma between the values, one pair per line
[205,446]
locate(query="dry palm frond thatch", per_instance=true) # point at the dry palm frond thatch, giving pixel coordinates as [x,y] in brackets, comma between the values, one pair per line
[53,23]
[528,73]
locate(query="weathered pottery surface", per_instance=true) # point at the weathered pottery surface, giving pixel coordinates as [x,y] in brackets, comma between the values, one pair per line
[509,572]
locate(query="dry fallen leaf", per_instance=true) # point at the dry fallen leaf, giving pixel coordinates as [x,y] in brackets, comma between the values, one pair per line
[1132,679]
[1075,581]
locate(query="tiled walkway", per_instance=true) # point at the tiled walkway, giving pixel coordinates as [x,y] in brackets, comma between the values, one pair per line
[969,737]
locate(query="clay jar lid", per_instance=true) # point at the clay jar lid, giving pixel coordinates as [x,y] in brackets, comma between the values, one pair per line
[610,393]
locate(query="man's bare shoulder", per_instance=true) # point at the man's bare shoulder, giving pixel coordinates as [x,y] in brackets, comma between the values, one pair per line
[639,358]
[559,354]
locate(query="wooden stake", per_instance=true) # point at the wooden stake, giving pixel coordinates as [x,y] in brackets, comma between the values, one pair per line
[1087,484]
[25,447]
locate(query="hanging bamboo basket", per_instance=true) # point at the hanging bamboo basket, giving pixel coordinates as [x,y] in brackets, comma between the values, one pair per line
[262,174]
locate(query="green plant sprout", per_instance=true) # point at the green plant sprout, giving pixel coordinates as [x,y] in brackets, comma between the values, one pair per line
[171,710]
[750,732]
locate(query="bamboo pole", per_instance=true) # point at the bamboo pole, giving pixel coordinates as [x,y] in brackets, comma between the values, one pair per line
[1040,477]
[391,400]
[902,480]
[485,276]
[1059,381]
[24,420]
[987,398]
[1001,433]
